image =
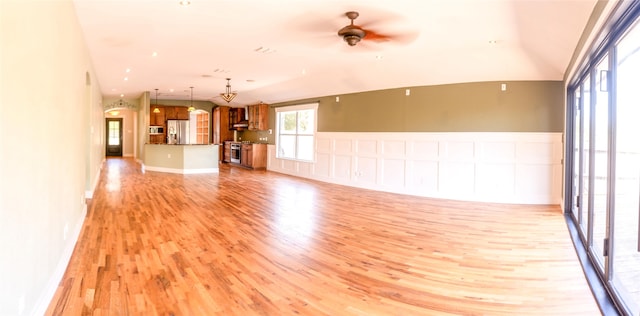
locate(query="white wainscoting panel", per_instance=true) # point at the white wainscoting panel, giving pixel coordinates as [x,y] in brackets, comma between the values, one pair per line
[490,167]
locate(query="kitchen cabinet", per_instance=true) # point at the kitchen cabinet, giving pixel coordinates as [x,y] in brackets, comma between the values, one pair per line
[226,152]
[254,156]
[220,125]
[176,113]
[258,117]
[169,113]
[181,113]
[157,119]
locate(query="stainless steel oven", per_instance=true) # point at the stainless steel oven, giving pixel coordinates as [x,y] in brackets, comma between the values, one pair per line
[236,148]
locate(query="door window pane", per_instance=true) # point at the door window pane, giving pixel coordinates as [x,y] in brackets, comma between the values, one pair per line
[576,154]
[586,119]
[114,133]
[626,258]
[600,160]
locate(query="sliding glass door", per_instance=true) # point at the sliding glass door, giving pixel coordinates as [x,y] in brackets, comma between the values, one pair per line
[625,268]
[605,170]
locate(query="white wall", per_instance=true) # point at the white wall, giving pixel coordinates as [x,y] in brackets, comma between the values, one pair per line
[51,124]
[492,167]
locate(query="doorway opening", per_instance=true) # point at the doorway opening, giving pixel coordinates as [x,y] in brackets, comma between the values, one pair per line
[114,137]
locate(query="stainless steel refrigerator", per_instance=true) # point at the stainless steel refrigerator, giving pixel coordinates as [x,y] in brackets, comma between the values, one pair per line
[178,132]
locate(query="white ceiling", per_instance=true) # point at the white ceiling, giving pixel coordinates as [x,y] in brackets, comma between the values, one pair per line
[199,45]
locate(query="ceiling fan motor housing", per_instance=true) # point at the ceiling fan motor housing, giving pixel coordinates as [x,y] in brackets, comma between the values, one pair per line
[352,34]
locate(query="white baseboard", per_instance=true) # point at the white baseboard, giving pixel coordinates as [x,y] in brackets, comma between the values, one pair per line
[43,302]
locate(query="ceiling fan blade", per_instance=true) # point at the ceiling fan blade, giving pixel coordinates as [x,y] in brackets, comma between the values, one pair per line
[376,37]
[400,38]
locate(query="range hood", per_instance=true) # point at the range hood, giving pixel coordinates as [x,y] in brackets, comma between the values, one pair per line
[243,123]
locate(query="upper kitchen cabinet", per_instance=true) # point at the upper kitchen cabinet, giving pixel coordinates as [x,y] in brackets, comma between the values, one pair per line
[169,113]
[176,113]
[157,119]
[258,117]
[182,113]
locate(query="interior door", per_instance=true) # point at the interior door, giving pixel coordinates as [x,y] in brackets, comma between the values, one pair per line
[114,137]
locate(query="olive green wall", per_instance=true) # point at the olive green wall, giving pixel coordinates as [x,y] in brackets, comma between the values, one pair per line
[525,106]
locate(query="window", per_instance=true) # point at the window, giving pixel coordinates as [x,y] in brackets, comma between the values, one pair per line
[114,133]
[295,131]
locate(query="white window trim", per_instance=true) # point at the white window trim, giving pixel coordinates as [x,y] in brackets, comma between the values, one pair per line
[299,107]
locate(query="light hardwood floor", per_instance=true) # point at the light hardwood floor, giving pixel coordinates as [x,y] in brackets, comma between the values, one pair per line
[261,243]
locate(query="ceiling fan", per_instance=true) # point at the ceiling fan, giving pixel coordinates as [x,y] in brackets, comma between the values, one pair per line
[352,34]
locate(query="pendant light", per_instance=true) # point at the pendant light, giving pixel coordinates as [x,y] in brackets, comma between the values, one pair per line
[156,110]
[228,95]
[191,108]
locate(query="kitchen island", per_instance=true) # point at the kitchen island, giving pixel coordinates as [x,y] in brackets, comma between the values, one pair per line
[185,159]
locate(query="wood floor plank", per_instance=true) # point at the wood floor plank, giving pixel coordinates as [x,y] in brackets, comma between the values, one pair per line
[246,242]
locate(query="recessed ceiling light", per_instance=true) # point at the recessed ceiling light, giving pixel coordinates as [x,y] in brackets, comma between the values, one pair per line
[126,78]
[121,95]
[127,70]
[304,71]
[154,54]
[171,90]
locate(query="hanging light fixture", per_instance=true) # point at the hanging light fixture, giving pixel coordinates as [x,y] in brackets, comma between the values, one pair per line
[191,108]
[228,95]
[156,110]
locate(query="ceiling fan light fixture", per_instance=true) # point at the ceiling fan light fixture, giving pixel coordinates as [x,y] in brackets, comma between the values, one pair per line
[352,40]
[228,95]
